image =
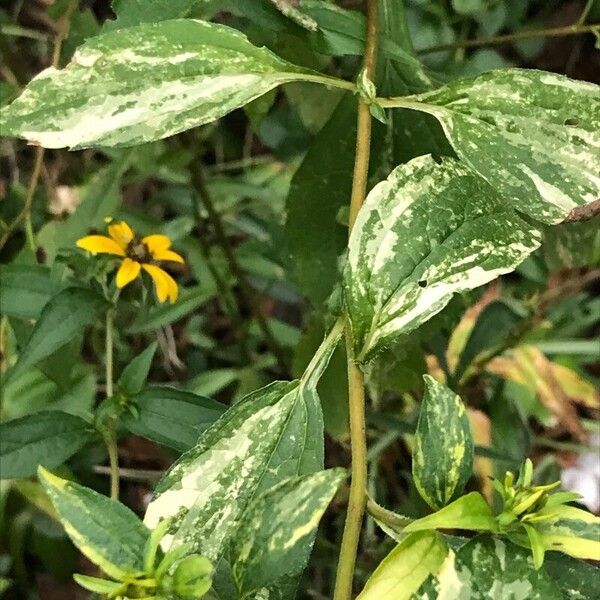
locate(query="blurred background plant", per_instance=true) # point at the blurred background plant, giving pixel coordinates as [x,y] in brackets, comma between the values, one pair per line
[257,205]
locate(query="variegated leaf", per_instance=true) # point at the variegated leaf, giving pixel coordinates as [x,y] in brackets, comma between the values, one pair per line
[274,529]
[427,232]
[443,454]
[406,567]
[570,530]
[273,433]
[488,567]
[147,82]
[534,136]
[105,531]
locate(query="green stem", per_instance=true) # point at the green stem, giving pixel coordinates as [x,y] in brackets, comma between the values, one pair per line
[110,434]
[321,357]
[576,29]
[356,383]
[387,517]
[246,290]
[585,12]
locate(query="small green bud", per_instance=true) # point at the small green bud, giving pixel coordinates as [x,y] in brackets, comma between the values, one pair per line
[192,577]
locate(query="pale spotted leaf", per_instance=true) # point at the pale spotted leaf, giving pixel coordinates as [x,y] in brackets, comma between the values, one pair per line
[270,543]
[427,232]
[443,452]
[145,83]
[271,434]
[104,530]
[489,567]
[534,136]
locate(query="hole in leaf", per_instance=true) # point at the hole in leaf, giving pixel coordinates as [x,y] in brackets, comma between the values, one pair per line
[572,121]
[423,283]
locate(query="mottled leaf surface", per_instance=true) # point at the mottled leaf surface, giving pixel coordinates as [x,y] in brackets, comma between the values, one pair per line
[490,568]
[45,438]
[104,530]
[427,232]
[276,526]
[570,530]
[273,433]
[145,83]
[534,136]
[406,567]
[443,454]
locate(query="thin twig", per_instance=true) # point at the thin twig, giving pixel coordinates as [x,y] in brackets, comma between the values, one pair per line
[584,213]
[131,474]
[576,29]
[25,213]
[356,381]
[225,294]
[246,291]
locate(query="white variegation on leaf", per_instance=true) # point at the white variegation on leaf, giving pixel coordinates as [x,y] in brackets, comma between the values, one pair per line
[145,83]
[534,136]
[271,541]
[428,231]
[442,464]
[273,433]
[489,567]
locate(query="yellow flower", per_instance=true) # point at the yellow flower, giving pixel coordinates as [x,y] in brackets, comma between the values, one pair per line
[138,253]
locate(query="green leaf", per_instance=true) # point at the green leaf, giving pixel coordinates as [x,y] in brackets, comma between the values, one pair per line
[489,567]
[134,12]
[572,245]
[134,375]
[534,136]
[145,83]
[163,314]
[287,8]
[406,567]
[61,318]
[470,511]
[171,417]
[570,530]
[320,187]
[46,438]
[576,579]
[271,541]
[273,433]
[99,586]
[427,232]
[104,530]
[443,454]
[26,289]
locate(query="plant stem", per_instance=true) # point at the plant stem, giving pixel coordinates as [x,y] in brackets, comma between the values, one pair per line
[38,161]
[576,29]
[387,517]
[246,290]
[585,12]
[110,435]
[356,383]
[225,293]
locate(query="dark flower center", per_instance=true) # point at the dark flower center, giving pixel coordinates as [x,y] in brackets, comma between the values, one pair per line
[137,250]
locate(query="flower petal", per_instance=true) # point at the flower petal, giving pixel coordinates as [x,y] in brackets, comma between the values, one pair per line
[100,243]
[168,255]
[156,243]
[121,233]
[164,285]
[127,272]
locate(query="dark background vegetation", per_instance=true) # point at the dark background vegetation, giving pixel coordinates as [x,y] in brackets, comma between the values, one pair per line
[545,314]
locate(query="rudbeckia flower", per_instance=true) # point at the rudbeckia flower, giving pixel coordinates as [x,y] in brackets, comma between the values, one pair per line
[138,253]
